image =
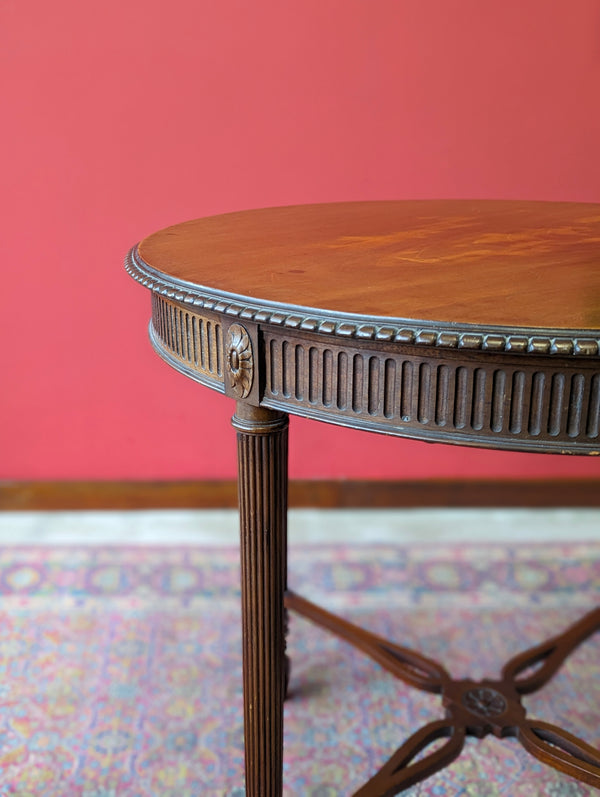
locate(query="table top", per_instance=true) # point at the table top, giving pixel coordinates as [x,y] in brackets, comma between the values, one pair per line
[469,322]
[492,263]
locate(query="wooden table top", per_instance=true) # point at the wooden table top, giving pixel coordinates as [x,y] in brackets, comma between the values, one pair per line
[470,322]
[507,263]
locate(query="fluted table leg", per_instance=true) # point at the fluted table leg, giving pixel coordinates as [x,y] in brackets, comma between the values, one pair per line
[262,485]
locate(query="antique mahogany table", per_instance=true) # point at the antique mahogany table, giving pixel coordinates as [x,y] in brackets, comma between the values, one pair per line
[467,322]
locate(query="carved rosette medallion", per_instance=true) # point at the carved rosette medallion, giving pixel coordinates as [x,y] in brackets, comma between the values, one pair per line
[485,702]
[240,361]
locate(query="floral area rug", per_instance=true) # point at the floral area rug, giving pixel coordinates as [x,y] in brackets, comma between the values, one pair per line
[121,667]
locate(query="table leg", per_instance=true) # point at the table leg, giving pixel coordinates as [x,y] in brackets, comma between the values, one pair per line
[262,486]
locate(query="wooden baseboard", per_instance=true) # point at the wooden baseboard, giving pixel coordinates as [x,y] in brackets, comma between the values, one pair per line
[86,495]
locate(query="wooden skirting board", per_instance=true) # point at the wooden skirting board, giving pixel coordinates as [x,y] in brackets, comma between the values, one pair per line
[87,495]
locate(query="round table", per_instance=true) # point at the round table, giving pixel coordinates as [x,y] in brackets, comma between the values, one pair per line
[468,322]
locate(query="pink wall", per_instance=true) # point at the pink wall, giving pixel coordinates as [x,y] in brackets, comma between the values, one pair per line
[121,117]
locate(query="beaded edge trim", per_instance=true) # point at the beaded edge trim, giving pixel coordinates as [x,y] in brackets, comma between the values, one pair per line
[431,334]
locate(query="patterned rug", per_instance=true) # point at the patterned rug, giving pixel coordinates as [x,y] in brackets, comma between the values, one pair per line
[121,667]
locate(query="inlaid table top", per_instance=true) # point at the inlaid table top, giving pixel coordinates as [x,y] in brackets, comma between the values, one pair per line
[417,318]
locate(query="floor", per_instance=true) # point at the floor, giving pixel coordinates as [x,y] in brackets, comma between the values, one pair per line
[129,683]
[220,527]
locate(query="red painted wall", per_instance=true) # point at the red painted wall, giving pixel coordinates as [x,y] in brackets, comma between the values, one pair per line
[121,117]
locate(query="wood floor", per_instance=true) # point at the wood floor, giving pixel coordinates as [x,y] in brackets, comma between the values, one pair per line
[220,527]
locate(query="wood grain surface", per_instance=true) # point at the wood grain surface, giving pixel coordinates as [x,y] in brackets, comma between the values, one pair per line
[321,494]
[505,263]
